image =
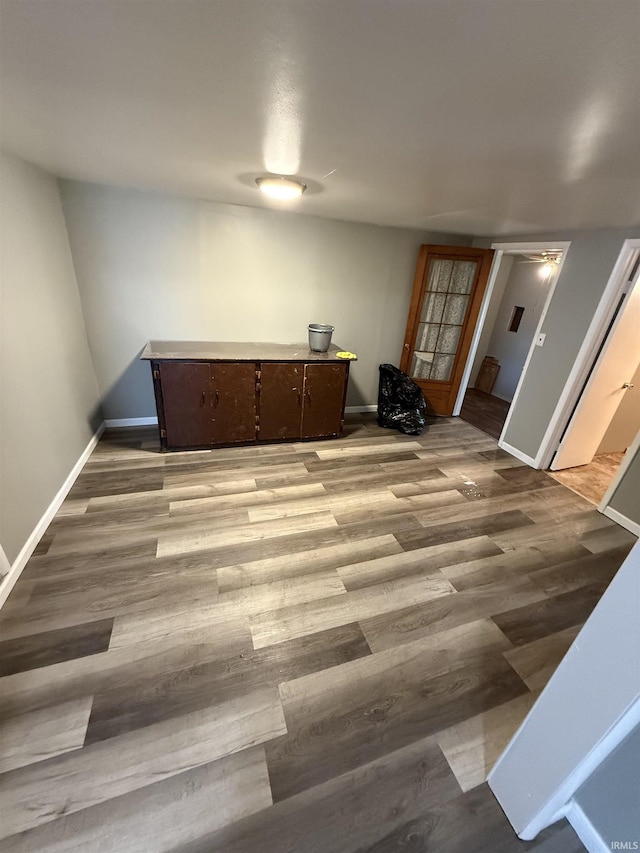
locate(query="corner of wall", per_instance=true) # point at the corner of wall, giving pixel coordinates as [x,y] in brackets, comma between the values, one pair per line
[14,570]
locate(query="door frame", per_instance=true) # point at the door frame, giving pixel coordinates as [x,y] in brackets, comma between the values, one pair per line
[587,354]
[601,359]
[502,249]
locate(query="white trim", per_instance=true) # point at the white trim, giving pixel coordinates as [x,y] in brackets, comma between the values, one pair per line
[352,410]
[36,534]
[475,341]
[622,520]
[5,565]
[628,458]
[517,453]
[586,355]
[544,246]
[113,423]
[532,348]
[585,830]
[559,803]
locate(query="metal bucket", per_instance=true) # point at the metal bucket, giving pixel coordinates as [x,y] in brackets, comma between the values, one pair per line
[319,337]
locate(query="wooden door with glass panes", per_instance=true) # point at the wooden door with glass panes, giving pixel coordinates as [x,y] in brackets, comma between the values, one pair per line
[447,293]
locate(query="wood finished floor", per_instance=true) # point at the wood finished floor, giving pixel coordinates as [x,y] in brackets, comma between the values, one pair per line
[484,411]
[591,481]
[304,648]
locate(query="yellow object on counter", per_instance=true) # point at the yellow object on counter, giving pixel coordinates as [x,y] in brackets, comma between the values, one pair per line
[346,355]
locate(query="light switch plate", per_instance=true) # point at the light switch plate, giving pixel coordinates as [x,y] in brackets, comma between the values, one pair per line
[541,339]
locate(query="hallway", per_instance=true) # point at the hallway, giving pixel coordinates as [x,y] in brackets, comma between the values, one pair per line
[484,411]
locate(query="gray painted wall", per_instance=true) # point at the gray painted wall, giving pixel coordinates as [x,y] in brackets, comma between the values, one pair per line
[588,265]
[152,266]
[48,391]
[525,287]
[611,796]
[626,498]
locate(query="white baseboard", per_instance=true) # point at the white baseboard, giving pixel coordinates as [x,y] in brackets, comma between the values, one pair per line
[352,410]
[29,546]
[622,520]
[528,460]
[112,423]
[585,830]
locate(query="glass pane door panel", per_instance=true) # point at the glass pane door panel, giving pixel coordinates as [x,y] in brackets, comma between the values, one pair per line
[440,275]
[463,276]
[442,367]
[432,307]
[455,309]
[421,365]
[427,336]
[448,338]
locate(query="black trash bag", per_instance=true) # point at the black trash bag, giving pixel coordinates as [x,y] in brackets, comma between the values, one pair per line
[401,403]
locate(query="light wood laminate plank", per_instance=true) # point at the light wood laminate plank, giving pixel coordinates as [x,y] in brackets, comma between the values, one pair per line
[298,621]
[305,562]
[162,815]
[39,735]
[76,781]
[252,498]
[422,561]
[180,543]
[400,626]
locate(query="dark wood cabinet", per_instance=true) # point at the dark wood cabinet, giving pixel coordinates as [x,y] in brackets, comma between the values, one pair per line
[186,402]
[220,394]
[301,400]
[233,392]
[281,389]
[324,388]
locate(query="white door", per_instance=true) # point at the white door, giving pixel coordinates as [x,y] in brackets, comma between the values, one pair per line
[618,361]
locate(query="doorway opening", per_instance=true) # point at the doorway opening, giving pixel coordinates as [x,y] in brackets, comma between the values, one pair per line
[605,419]
[522,281]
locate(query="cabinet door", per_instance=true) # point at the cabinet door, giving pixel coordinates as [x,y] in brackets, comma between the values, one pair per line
[281,386]
[324,392]
[186,402]
[233,388]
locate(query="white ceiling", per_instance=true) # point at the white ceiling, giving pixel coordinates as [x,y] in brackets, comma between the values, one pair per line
[469,116]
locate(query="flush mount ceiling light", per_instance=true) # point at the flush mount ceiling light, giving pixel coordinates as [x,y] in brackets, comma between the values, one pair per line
[282,189]
[551,257]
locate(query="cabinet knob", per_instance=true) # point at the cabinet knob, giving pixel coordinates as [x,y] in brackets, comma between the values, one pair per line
[406,346]
[628,385]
